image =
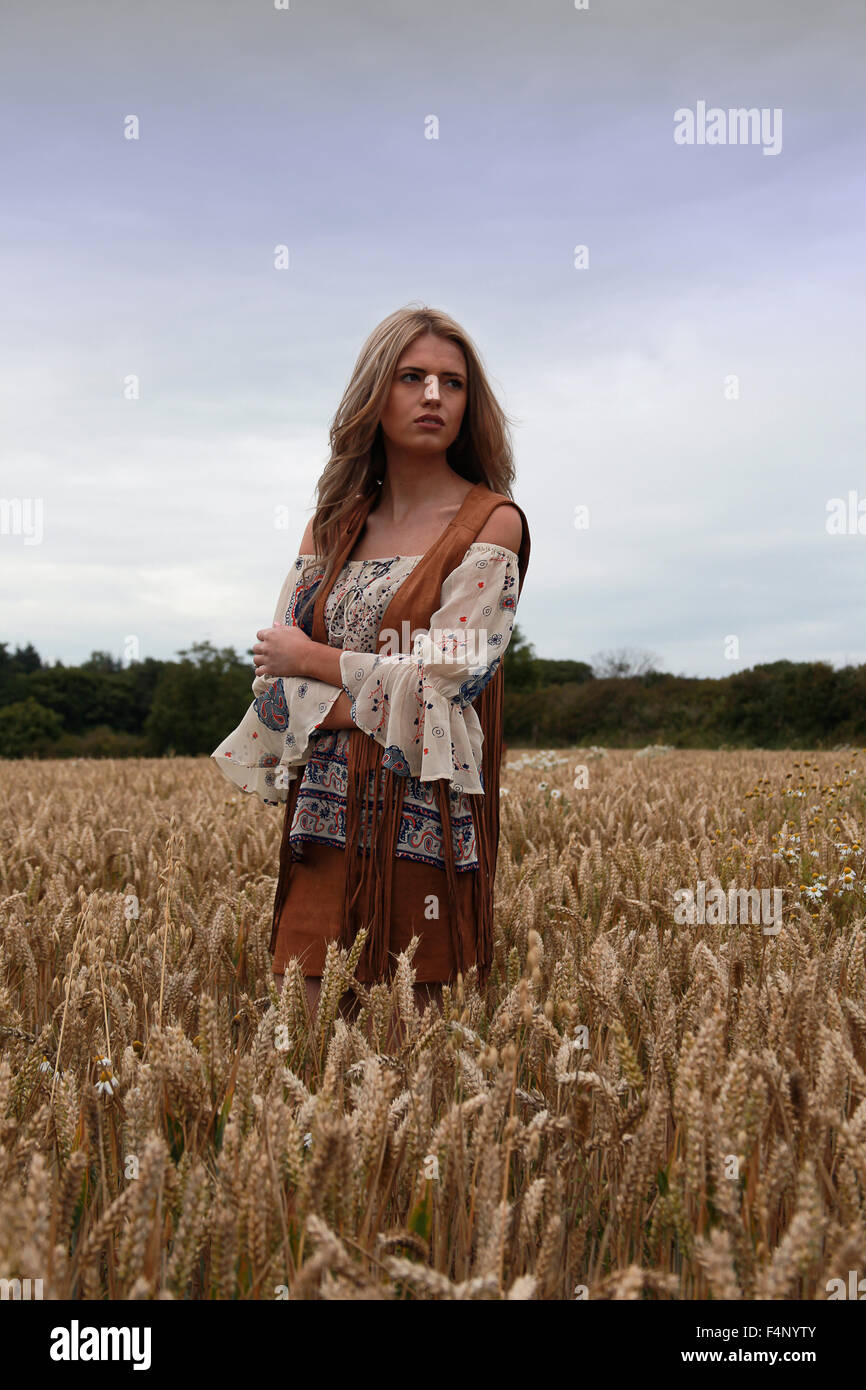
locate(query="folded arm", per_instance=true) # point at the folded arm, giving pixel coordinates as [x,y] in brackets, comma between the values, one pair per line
[418,705]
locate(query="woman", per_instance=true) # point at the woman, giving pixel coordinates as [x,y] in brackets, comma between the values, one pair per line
[383,669]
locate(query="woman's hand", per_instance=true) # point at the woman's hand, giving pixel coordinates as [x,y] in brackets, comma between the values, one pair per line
[281,651]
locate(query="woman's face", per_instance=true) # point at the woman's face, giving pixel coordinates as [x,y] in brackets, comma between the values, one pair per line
[430,380]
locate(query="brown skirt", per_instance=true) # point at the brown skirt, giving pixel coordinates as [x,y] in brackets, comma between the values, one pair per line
[310,915]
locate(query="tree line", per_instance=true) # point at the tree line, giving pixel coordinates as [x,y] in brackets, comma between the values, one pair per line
[185,707]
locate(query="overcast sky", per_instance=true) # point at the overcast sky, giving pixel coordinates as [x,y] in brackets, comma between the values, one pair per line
[698,386]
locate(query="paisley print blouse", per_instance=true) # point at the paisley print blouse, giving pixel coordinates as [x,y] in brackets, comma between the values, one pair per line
[417,704]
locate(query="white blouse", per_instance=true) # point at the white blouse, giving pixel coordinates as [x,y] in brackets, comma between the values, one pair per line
[416,705]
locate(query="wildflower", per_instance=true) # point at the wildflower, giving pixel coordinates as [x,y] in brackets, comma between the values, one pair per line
[814,892]
[45,1065]
[308,1139]
[107,1083]
[556,793]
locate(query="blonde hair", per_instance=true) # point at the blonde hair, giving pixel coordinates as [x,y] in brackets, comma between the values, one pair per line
[481,453]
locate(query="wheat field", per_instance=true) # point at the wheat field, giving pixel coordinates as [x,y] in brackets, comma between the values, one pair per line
[632,1108]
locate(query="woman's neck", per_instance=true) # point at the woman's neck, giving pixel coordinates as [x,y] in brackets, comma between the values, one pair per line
[411,489]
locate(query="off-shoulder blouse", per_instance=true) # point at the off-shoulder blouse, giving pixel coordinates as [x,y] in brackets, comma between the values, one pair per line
[417,705]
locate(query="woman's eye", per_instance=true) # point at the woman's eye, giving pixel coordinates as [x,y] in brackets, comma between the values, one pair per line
[452,380]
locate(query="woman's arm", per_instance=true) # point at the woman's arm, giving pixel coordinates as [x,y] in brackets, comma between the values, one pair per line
[339,716]
[272,740]
[321,662]
[291,652]
[288,652]
[419,705]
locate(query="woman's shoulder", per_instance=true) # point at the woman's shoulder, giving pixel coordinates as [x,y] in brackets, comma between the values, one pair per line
[504,526]
[306,547]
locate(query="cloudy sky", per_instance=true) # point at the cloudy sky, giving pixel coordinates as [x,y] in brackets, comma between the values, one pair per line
[698,386]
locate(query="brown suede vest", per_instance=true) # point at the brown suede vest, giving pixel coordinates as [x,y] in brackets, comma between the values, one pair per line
[367,900]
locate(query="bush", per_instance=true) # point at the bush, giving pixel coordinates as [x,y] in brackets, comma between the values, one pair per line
[102,742]
[29,730]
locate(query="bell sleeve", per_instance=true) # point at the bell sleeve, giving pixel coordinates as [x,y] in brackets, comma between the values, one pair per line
[418,705]
[271,743]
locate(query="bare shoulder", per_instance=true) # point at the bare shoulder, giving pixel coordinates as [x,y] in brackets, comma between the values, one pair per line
[307,547]
[503,527]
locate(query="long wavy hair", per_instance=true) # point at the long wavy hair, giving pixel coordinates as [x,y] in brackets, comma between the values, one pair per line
[481,453]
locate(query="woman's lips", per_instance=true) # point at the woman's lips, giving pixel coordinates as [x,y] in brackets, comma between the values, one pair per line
[430,424]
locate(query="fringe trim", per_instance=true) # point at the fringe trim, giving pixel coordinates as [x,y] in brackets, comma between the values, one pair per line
[367,897]
[454,920]
[369,874]
[485,811]
[284,872]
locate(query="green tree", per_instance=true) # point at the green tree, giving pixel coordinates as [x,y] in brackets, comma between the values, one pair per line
[198,700]
[102,661]
[81,697]
[519,663]
[15,665]
[28,730]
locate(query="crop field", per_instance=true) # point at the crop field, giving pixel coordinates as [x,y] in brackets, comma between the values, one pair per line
[644,1102]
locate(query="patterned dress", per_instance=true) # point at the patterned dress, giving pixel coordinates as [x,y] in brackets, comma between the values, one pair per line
[416,704]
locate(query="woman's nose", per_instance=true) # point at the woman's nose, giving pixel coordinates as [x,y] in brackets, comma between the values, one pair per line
[431,388]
